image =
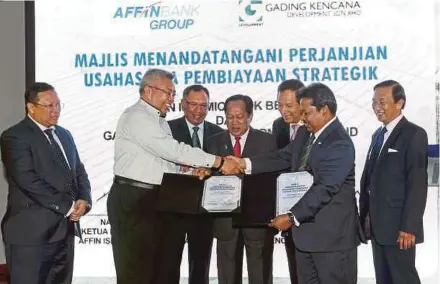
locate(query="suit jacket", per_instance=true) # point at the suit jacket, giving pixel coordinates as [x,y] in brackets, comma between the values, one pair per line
[282,132]
[327,212]
[257,142]
[181,133]
[396,197]
[38,198]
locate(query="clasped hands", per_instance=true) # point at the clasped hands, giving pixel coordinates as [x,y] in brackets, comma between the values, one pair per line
[231,166]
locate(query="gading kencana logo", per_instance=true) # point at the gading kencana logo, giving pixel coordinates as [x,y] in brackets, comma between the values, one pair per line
[251,13]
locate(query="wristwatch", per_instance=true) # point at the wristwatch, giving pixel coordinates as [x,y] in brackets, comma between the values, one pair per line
[291,218]
[222,161]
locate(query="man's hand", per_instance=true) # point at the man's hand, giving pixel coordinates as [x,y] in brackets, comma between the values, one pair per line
[79,210]
[231,167]
[281,222]
[406,240]
[201,172]
[238,160]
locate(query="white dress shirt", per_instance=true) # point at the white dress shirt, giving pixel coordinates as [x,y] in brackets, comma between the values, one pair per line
[145,148]
[200,131]
[390,127]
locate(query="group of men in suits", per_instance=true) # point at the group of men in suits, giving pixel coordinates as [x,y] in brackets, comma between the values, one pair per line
[49,190]
[322,231]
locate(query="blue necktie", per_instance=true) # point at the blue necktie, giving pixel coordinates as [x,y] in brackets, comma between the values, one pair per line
[63,163]
[375,149]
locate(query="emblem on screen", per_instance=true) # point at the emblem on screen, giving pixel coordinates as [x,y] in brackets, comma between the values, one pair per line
[251,13]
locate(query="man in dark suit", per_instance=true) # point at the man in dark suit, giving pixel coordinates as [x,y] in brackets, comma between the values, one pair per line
[191,129]
[394,188]
[286,129]
[324,221]
[48,192]
[243,141]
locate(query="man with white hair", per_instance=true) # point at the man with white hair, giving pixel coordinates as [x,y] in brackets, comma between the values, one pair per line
[144,151]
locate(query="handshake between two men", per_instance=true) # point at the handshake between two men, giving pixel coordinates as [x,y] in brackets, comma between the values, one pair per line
[229,165]
[232,165]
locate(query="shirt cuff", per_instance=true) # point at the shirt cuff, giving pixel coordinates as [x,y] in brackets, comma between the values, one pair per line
[248,163]
[294,219]
[71,209]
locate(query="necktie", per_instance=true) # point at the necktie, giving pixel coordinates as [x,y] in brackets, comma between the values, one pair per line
[195,137]
[294,130]
[237,147]
[63,163]
[375,149]
[305,152]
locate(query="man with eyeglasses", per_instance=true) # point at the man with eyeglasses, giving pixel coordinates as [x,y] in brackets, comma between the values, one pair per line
[49,191]
[194,130]
[144,151]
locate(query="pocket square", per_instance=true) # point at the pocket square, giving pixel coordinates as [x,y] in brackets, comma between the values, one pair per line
[390,150]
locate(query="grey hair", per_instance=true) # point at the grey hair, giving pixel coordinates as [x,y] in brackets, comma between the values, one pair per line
[154,74]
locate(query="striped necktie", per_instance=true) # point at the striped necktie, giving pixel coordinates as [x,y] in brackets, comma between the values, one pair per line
[305,152]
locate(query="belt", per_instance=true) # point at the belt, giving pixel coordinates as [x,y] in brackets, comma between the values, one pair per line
[127,181]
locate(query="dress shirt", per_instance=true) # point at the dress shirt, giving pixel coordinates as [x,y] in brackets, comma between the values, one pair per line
[390,127]
[200,132]
[55,137]
[319,132]
[145,148]
[298,125]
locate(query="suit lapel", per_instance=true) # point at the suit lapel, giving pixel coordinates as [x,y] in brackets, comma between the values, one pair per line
[392,138]
[41,138]
[318,141]
[206,133]
[186,135]
[246,148]
[226,145]
[62,135]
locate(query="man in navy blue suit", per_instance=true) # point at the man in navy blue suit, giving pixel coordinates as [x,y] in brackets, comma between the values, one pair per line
[394,187]
[48,193]
[324,223]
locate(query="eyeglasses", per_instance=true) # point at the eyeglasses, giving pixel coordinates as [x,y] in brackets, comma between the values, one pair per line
[194,105]
[170,94]
[59,106]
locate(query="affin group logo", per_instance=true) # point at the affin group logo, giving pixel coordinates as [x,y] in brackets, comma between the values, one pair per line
[251,13]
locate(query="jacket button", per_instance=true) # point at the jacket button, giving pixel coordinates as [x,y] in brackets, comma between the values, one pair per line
[56,207]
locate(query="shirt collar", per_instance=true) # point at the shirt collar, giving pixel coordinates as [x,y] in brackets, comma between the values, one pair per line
[319,132]
[242,137]
[42,127]
[151,109]
[299,123]
[190,125]
[390,126]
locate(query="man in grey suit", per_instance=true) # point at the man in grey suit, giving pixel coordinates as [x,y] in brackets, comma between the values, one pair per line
[242,140]
[324,222]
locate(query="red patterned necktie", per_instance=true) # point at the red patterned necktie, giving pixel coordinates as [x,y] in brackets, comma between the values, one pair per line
[237,147]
